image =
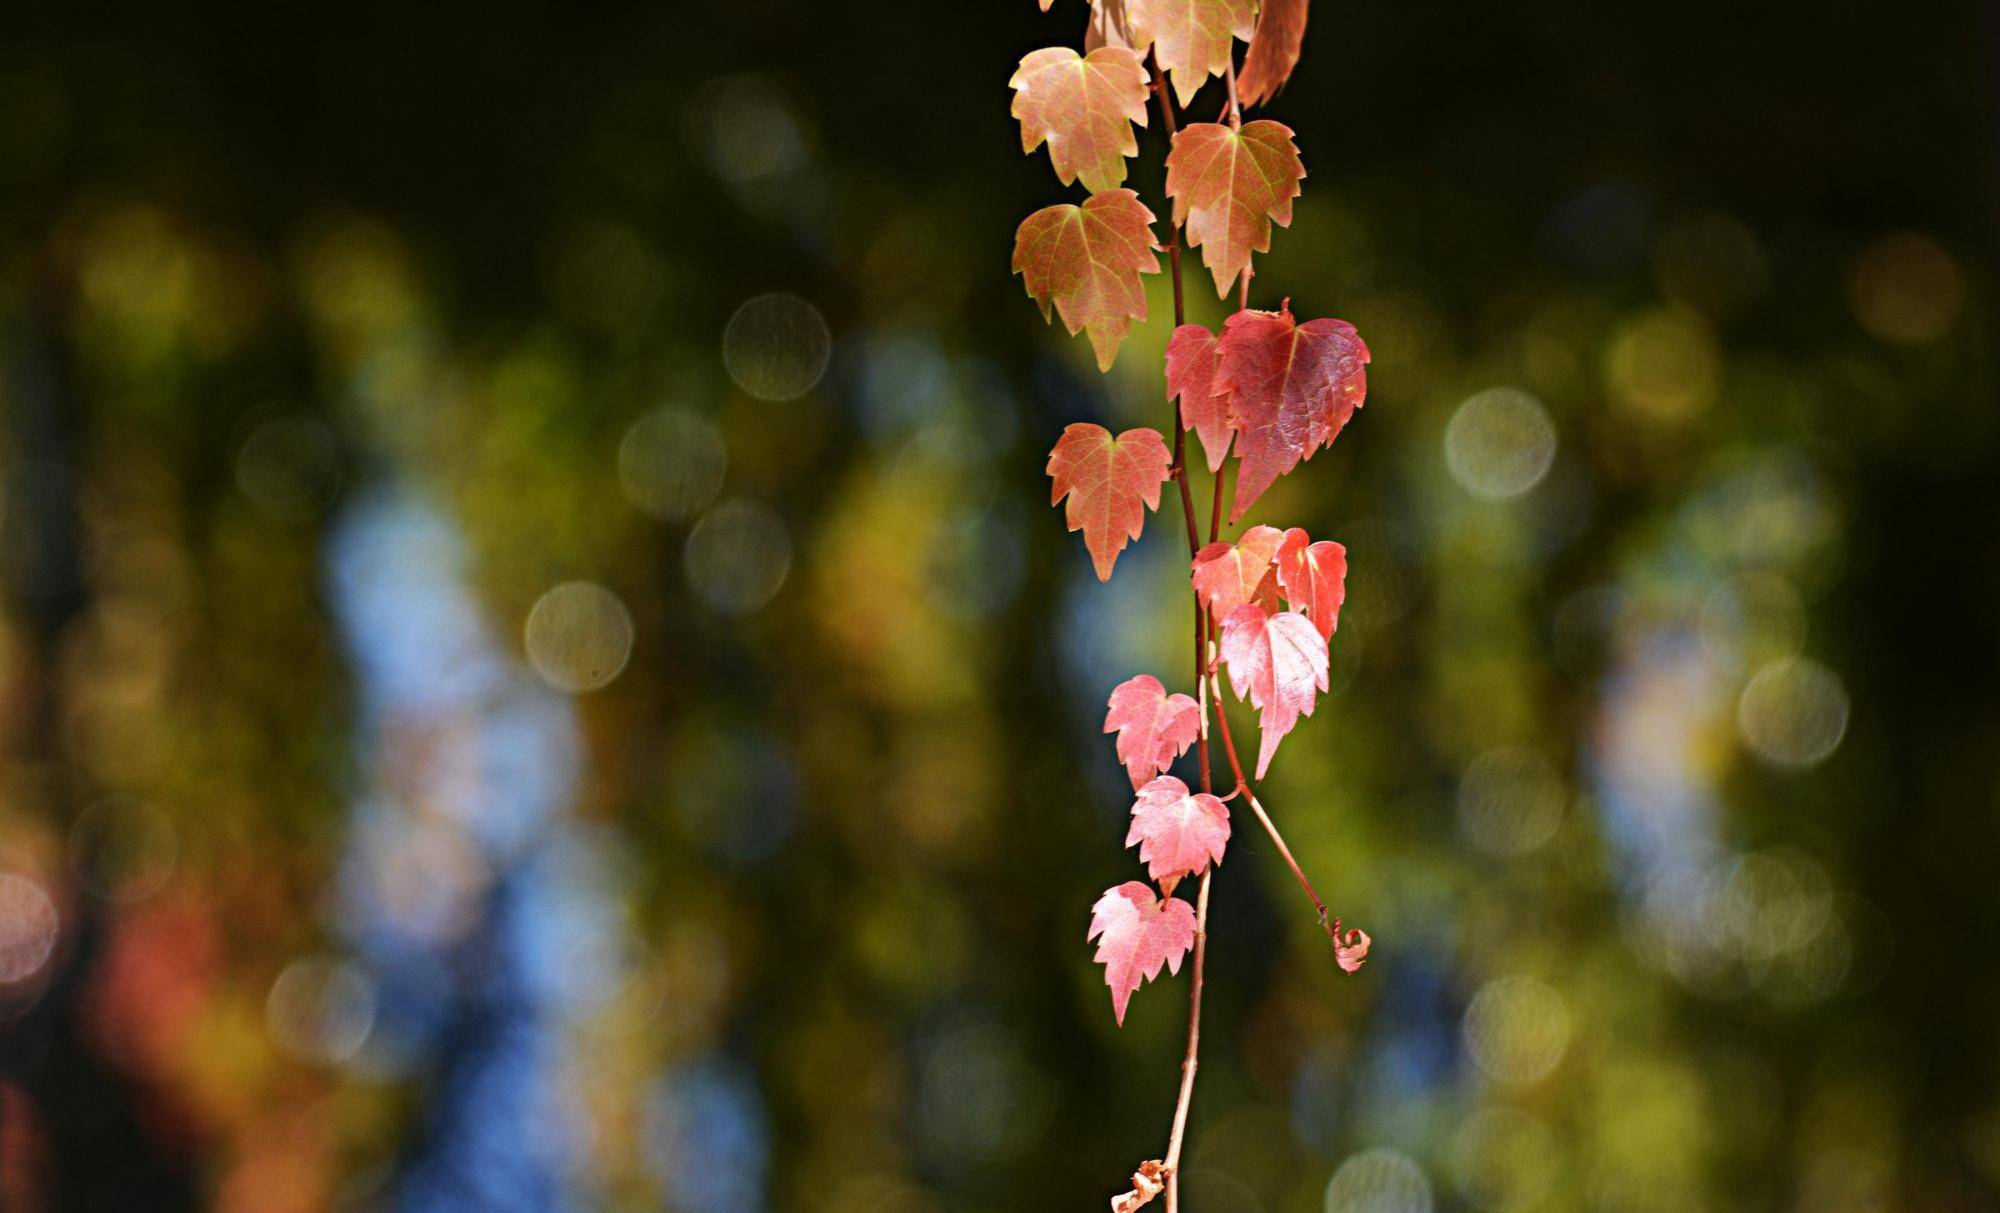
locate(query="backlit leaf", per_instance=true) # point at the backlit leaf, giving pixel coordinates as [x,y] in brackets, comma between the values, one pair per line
[1086,261]
[1291,388]
[1227,575]
[1153,727]
[1228,187]
[1110,483]
[1191,39]
[1313,577]
[1178,832]
[1278,662]
[1084,108]
[1137,931]
[1274,51]
[1110,26]
[1191,377]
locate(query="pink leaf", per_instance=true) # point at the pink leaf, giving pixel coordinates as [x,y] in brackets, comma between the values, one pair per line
[1277,662]
[1291,388]
[1314,578]
[1191,378]
[1178,832]
[1153,727]
[1228,575]
[1137,931]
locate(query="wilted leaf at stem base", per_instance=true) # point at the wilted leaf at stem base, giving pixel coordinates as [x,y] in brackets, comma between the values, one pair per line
[1147,1183]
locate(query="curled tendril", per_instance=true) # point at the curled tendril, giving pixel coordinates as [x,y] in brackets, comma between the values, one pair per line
[1350,949]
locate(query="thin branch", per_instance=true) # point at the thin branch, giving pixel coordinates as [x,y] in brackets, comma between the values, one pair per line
[1257,807]
[1191,1062]
[1203,625]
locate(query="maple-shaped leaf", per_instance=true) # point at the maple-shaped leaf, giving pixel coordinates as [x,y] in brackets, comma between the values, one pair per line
[1110,26]
[1191,378]
[1083,106]
[1229,187]
[1274,51]
[1137,931]
[1191,39]
[1178,832]
[1086,260]
[1278,662]
[1227,575]
[1110,483]
[1314,578]
[1291,388]
[1153,727]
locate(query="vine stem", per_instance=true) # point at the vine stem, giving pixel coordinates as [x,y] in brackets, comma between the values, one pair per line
[1264,818]
[1203,626]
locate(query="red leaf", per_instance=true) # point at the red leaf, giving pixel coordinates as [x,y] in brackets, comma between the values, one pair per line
[1086,260]
[1229,186]
[1228,575]
[1191,39]
[1140,931]
[1153,727]
[1274,51]
[1291,388]
[1191,377]
[1277,662]
[1110,482]
[1314,578]
[1084,107]
[1178,832]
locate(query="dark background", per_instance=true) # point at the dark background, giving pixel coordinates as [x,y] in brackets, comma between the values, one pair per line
[1667,784]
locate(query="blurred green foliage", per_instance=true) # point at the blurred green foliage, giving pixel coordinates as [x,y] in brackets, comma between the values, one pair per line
[1661,762]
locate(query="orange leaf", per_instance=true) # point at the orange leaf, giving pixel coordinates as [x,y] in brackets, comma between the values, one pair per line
[1229,186]
[1087,261]
[1083,106]
[1110,483]
[1191,39]
[1274,51]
